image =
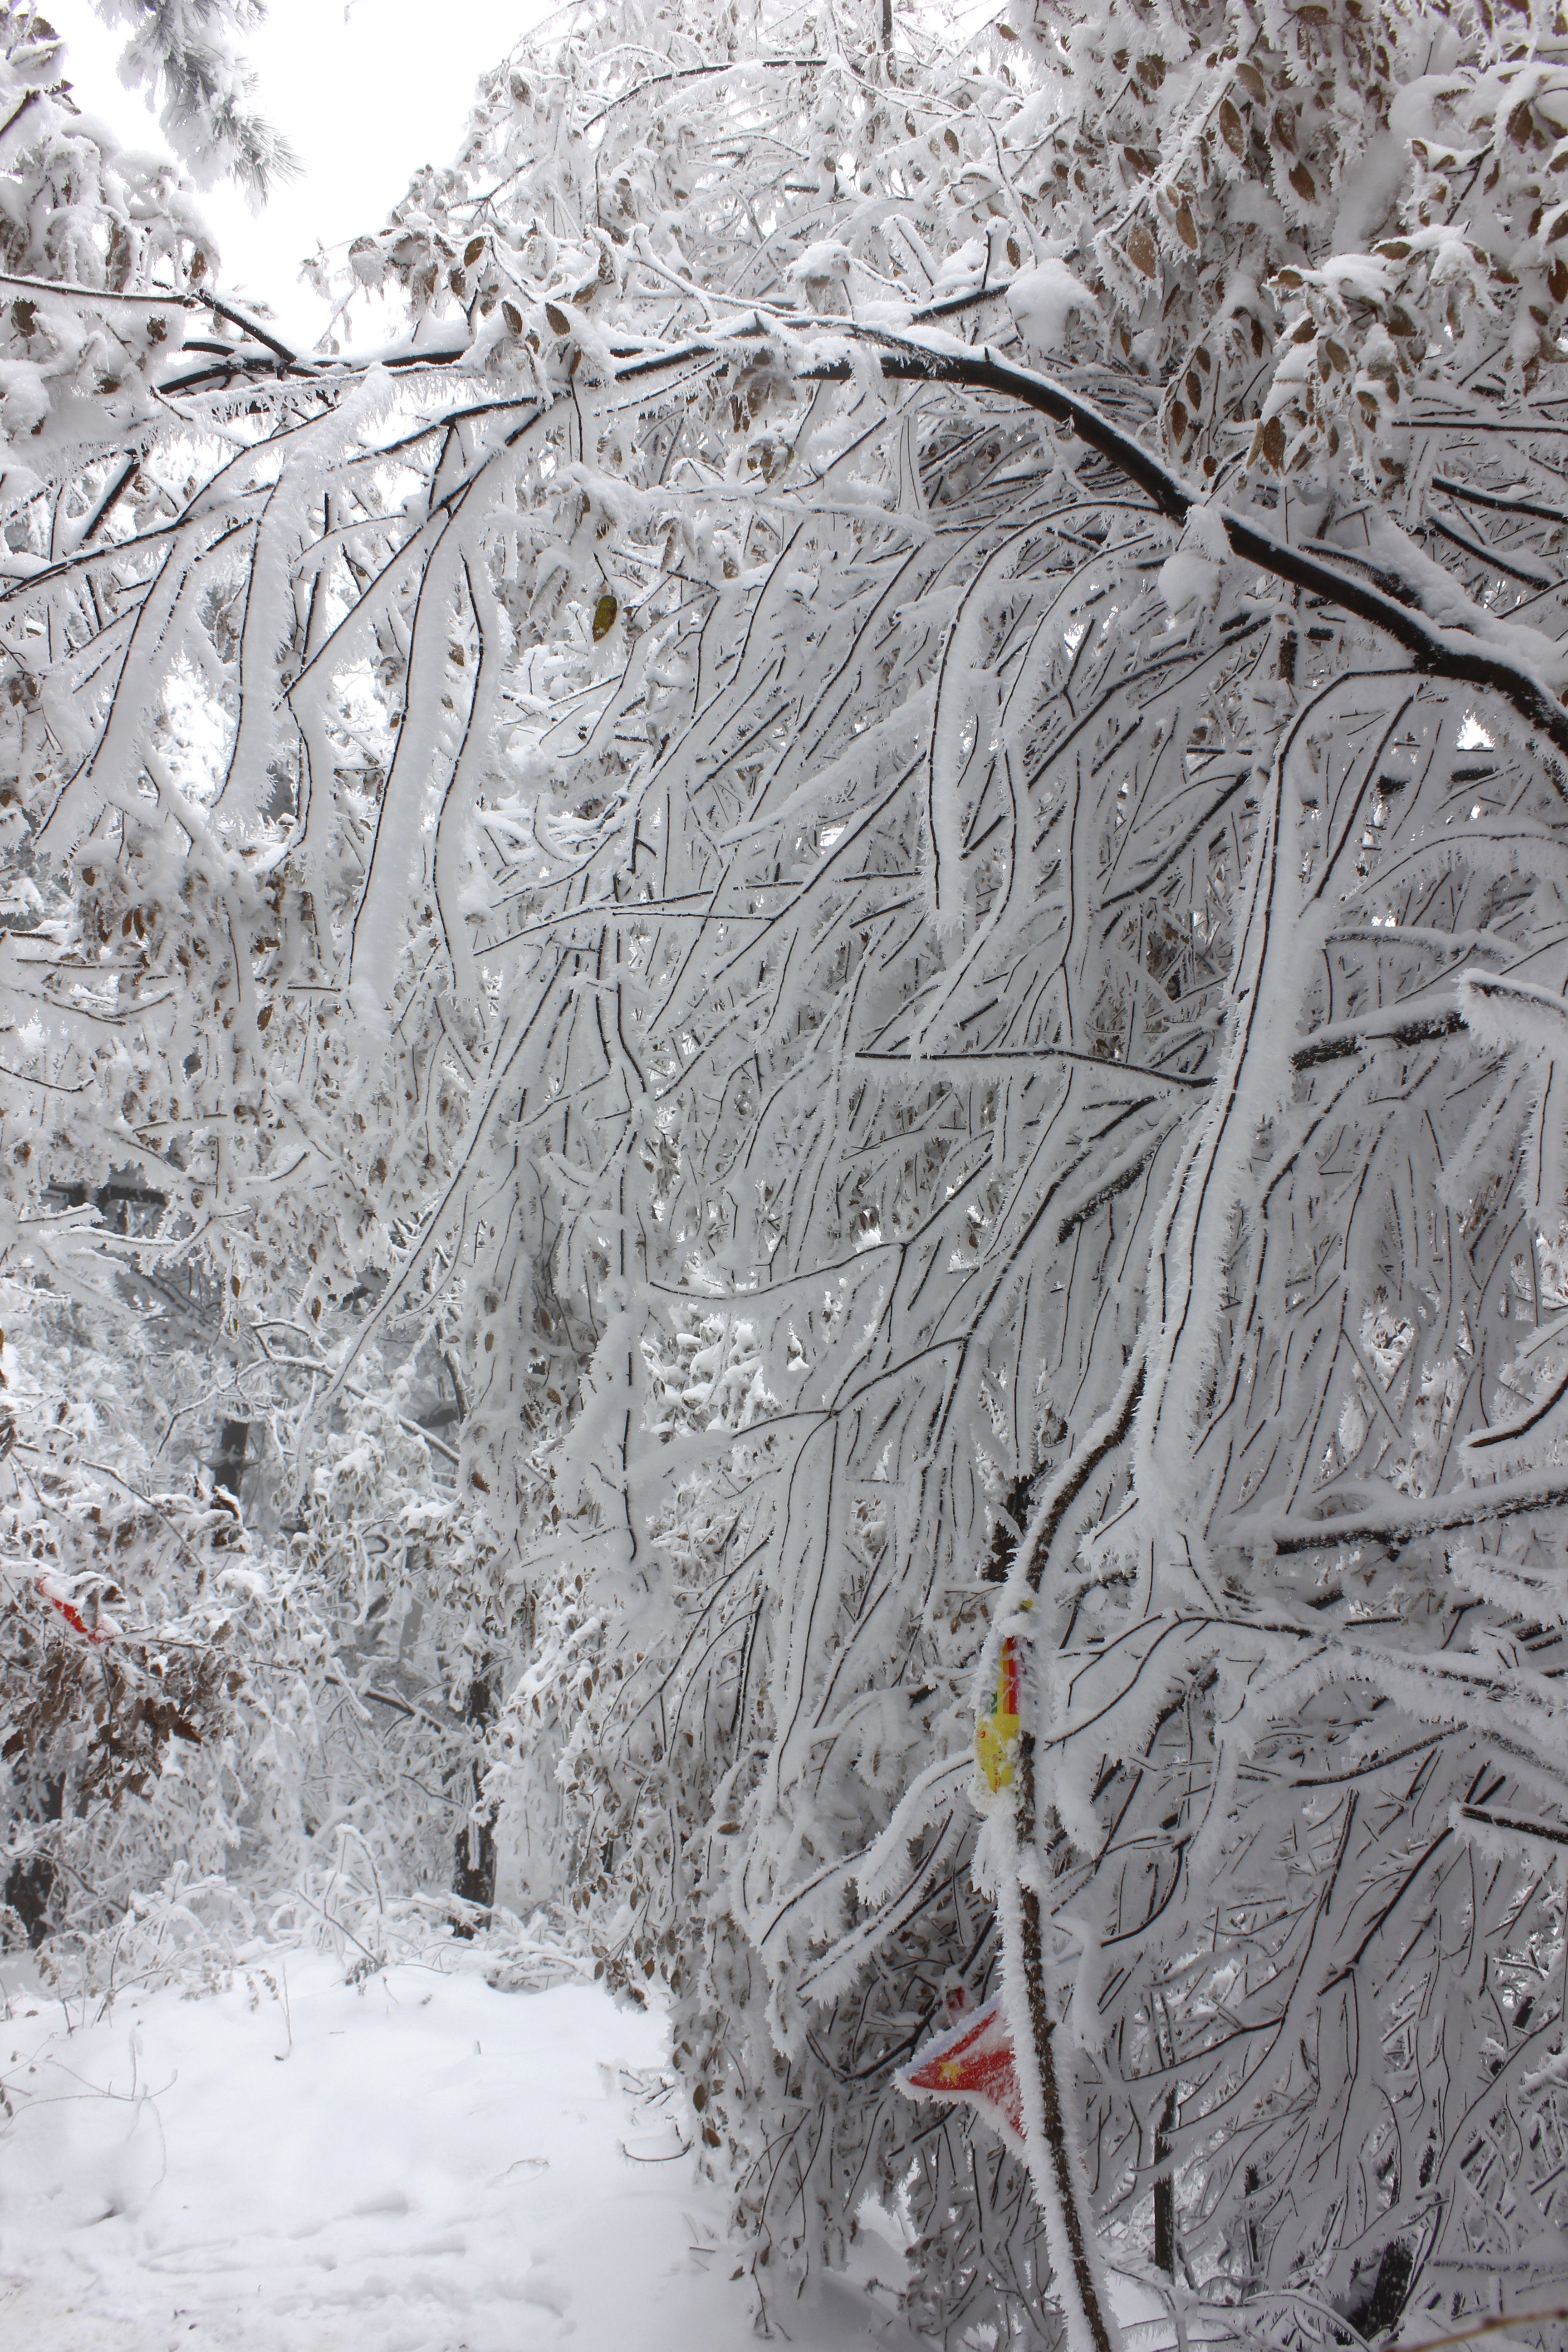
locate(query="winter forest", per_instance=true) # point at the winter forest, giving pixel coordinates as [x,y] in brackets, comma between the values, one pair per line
[784,1190]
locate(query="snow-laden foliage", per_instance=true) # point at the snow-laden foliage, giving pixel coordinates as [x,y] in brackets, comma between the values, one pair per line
[204,1706]
[185,1699]
[875,833]
[184,54]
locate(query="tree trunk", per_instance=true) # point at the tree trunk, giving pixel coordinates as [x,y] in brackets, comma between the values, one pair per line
[474,1862]
[1166,2192]
[30,1882]
[229,1465]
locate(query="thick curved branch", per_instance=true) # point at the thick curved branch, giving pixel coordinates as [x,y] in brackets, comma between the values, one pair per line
[1438,651]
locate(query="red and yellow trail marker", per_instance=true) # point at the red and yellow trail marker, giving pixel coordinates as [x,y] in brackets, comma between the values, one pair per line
[973,2062]
[996,1725]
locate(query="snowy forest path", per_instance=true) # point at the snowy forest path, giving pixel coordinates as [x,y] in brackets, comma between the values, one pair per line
[421,2164]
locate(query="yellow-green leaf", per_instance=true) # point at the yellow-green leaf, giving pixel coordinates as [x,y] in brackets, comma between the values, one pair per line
[605,613]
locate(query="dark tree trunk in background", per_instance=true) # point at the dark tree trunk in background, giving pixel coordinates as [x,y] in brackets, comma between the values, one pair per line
[1380,2310]
[30,1882]
[474,1862]
[1165,2194]
[229,1464]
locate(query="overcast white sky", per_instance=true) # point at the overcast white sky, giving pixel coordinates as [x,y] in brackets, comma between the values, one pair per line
[364,94]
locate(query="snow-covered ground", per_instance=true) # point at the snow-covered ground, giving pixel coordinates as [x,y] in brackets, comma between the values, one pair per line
[418,2163]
